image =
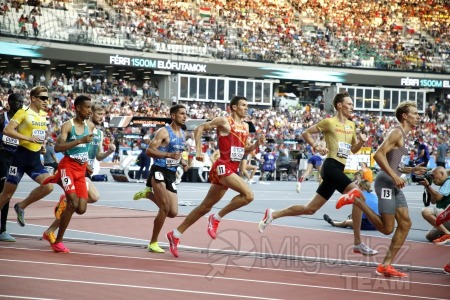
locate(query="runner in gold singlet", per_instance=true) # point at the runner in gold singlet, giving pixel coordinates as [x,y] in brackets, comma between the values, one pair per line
[341,141]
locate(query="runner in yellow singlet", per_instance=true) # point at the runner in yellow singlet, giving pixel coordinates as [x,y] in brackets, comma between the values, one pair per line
[29,126]
[341,140]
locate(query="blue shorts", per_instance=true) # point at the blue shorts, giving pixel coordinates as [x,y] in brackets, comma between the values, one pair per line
[25,161]
[366,225]
[315,160]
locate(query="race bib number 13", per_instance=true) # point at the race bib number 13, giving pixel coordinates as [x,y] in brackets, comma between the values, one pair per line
[386,194]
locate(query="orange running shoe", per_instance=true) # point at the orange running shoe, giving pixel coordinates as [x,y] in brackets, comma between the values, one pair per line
[60,207]
[348,198]
[442,240]
[389,271]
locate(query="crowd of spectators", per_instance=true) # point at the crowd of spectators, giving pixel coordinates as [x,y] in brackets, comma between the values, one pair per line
[281,124]
[400,34]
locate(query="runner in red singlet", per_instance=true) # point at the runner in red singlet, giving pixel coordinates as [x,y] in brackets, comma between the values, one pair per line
[232,135]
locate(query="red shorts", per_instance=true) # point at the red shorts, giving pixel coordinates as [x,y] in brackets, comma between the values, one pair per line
[72,176]
[222,168]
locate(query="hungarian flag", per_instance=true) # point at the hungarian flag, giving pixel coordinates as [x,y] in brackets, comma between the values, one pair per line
[205,12]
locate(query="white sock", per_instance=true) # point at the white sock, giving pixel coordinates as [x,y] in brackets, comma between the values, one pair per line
[176,234]
[217,217]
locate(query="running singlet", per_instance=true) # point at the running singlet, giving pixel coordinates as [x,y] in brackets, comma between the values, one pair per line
[339,137]
[79,153]
[232,146]
[395,157]
[31,123]
[176,144]
[94,146]
[7,143]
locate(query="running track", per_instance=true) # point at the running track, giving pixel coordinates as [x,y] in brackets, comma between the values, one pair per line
[282,263]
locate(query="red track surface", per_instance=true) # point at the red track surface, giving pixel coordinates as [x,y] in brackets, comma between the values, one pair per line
[28,268]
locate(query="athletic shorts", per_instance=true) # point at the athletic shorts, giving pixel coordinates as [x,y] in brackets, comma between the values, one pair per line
[72,176]
[389,196]
[333,177]
[315,160]
[161,174]
[221,168]
[23,162]
[366,225]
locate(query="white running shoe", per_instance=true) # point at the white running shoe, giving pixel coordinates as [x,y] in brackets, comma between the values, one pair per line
[266,220]
[364,250]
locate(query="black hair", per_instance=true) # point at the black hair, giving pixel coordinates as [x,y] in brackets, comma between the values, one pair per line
[235,100]
[14,97]
[80,99]
[174,109]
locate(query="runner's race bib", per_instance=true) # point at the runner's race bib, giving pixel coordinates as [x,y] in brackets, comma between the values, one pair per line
[10,141]
[40,134]
[171,162]
[237,153]
[343,150]
[80,157]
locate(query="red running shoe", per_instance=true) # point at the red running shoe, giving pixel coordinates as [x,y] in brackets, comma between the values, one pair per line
[173,243]
[447,269]
[60,248]
[212,226]
[348,198]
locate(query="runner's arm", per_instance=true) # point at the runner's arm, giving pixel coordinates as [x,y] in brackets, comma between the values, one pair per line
[161,136]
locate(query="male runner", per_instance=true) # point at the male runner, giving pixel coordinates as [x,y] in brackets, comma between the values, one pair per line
[166,149]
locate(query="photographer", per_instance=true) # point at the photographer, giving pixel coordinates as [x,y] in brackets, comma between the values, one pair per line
[438,234]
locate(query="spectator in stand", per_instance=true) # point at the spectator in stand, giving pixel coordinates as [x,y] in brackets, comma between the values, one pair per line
[441,153]
[50,159]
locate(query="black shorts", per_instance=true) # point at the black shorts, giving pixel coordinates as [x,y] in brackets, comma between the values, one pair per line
[333,177]
[163,175]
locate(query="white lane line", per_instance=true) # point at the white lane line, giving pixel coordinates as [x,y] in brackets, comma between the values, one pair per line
[212,265]
[170,290]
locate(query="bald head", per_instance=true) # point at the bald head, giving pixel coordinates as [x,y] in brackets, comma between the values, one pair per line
[439,175]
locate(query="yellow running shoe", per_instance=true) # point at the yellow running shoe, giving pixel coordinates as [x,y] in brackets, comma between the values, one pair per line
[154,247]
[60,207]
[143,193]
